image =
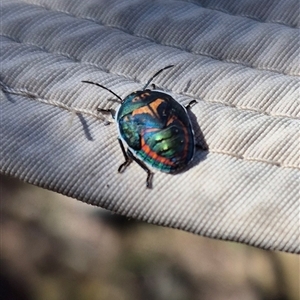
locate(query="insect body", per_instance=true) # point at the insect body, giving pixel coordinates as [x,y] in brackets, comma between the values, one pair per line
[156,130]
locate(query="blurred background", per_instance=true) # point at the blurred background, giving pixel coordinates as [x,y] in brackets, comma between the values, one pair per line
[57,248]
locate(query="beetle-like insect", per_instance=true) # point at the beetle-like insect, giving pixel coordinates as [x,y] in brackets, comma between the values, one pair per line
[155,128]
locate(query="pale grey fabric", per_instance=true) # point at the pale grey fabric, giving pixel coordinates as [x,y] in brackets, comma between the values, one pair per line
[238,59]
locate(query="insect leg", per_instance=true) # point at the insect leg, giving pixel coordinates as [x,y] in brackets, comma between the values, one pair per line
[191,104]
[107,111]
[142,165]
[128,159]
[202,147]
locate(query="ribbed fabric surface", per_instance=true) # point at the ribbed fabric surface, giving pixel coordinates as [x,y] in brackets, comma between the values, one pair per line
[238,59]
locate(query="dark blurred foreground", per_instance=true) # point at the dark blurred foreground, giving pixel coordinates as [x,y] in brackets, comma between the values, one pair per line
[57,248]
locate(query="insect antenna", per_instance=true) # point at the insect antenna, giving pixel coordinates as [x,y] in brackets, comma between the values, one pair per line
[156,74]
[102,86]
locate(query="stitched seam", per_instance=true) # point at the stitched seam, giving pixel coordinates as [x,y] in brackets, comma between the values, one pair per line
[76,110]
[249,158]
[242,108]
[33,96]
[242,15]
[173,46]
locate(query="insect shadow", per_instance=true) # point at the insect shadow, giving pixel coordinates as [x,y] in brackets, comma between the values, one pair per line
[85,127]
[9,97]
[200,142]
[8,92]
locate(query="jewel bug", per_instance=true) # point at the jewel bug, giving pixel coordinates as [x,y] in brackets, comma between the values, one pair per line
[155,128]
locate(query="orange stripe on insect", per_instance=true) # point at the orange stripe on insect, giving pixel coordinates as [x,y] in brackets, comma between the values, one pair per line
[145,147]
[155,104]
[150,109]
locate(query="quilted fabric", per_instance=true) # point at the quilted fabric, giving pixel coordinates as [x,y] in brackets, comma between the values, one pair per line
[238,59]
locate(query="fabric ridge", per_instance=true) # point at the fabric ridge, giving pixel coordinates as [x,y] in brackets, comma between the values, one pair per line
[238,59]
